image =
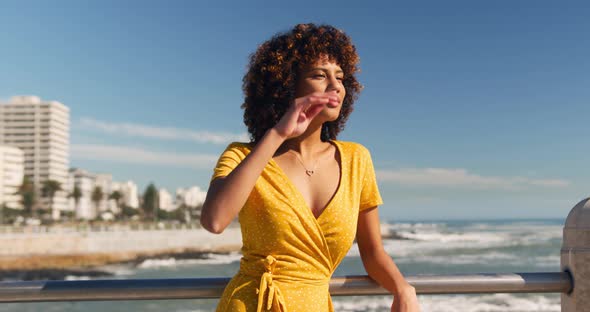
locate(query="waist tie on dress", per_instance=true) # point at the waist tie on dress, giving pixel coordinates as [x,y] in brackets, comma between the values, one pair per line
[266,285]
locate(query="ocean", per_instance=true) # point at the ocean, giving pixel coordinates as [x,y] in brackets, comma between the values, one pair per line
[431,247]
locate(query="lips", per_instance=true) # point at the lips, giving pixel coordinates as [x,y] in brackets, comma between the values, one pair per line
[333,104]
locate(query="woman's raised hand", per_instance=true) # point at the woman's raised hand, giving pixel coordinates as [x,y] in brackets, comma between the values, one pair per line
[302,111]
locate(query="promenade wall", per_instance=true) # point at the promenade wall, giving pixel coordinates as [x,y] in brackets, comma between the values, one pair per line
[115,240]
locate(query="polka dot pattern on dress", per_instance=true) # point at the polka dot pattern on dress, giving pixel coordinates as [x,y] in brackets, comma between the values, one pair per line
[278,227]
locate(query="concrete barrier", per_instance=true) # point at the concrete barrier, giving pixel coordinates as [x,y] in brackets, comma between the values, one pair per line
[86,242]
[575,258]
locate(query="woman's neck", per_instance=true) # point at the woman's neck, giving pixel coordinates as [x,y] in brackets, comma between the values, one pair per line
[309,144]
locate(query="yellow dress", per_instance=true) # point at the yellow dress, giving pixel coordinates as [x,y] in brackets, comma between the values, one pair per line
[288,256]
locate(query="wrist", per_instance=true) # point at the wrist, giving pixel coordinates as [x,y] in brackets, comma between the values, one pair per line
[273,139]
[276,135]
[405,290]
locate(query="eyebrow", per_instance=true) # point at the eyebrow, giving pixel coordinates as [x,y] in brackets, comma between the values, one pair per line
[340,71]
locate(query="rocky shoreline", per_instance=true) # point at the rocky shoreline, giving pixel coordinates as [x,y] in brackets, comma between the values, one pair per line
[50,274]
[60,267]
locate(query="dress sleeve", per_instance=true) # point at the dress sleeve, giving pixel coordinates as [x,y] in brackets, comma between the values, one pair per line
[230,158]
[370,196]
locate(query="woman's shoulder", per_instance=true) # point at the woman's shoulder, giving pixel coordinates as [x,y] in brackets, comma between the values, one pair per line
[240,145]
[353,148]
[238,148]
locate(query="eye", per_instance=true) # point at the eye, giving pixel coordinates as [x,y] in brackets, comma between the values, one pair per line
[319,76]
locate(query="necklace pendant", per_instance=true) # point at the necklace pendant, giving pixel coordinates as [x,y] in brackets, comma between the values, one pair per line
[309,172]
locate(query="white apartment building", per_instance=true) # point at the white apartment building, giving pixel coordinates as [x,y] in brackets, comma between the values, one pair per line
[129,191]
[87,182]
[165,200]
[105,182]
[41,130]
[191,197]
[84,208]
[12,161]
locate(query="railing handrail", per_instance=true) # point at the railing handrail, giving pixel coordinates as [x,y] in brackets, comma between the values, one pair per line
[202,288]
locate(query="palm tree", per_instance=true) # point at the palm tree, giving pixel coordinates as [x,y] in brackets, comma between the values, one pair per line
[97,196]
[49,188]
[76,194]
[116,196]
[28,198]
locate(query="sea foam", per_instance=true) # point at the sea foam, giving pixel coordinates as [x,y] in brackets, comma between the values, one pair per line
[456,303]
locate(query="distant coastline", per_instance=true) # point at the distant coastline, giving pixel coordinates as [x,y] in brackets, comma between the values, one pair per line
[59,267]
[53,255]
[490,220]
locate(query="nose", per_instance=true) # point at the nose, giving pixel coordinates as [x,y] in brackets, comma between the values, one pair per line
[334,85]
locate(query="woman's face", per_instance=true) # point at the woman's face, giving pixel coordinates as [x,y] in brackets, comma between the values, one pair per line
[322,76]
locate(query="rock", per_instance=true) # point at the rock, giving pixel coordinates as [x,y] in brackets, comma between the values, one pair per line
[49,274]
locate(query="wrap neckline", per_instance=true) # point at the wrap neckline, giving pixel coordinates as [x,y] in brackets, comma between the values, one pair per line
[300,195]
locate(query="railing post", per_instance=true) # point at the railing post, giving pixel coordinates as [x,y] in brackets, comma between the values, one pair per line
[575,258]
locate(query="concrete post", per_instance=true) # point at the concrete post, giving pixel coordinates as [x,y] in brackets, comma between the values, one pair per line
[575,258]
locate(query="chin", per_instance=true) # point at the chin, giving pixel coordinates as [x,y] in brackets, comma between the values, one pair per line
[333,117]
[330,114]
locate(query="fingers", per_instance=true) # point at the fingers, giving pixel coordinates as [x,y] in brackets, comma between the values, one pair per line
[325,98]
[308,107]
[314,101]
[334,99]
[314,110]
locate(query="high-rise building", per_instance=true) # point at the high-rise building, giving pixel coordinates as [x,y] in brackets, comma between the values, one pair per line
[11,175]
[41,130]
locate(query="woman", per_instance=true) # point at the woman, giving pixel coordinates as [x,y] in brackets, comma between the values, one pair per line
[301,195]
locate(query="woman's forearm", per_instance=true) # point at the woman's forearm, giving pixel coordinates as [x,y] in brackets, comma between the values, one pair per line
[383,270]
[227,196]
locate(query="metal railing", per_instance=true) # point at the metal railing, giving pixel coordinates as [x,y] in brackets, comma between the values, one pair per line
[202,288]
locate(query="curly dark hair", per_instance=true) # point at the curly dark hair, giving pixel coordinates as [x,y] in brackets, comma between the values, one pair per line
[269,84]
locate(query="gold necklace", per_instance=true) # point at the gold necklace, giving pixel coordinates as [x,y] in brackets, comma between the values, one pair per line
[307,171]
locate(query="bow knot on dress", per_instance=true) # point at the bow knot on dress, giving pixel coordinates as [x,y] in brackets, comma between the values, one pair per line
[266,285]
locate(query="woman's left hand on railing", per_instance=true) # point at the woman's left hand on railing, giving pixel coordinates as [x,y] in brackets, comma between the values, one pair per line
[406,301]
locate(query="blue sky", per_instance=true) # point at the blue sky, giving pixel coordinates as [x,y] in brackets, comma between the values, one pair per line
[471,109]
